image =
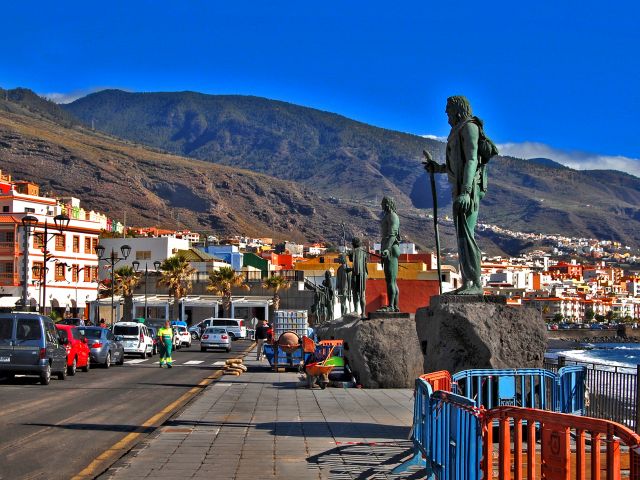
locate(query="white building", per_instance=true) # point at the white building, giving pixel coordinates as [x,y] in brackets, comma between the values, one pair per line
[66,279]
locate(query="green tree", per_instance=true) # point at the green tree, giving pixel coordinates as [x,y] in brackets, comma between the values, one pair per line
[558,318]
[125,280]
[222,281]
[589,314]
[175,273]
[276,283]
[599,318]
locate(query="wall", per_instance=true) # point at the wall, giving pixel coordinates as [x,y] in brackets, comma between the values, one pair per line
[413,294]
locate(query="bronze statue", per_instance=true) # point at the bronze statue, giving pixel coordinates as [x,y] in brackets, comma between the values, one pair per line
[359,272]
[390,252]
[467,175]
[343,285]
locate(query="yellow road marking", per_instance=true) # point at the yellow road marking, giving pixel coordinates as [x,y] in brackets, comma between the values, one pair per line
[110,455]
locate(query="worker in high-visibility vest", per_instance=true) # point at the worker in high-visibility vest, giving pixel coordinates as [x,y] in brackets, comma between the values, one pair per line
[165,339]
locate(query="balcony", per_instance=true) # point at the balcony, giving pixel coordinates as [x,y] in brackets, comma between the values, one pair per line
[9,249]
[9,279]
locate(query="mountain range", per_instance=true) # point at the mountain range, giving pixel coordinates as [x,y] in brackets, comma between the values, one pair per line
[251,165]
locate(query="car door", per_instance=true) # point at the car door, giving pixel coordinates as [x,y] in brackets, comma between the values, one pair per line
[116,346]
[28,341]
[55,348]
[7,337]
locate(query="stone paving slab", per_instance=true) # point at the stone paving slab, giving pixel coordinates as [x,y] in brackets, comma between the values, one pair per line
[266,425]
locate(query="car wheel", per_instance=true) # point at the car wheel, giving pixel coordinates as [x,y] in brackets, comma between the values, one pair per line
[194,336]
[203,349]
[71,370]
[149,353]
[228,349]
[45,377]
[87,366]
[232,337]
[107,361]
[62,375]
[121,361]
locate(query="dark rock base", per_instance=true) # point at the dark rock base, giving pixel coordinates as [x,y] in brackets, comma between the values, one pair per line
[459,334]
[382,353]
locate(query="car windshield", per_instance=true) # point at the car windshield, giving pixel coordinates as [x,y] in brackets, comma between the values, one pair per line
[125,330]
[93,333]
[217,331]
[182,329]
[6,330]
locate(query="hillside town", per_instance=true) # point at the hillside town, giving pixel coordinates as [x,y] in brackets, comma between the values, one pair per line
[61,271]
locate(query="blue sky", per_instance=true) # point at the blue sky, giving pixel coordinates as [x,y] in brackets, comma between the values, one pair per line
[559,78]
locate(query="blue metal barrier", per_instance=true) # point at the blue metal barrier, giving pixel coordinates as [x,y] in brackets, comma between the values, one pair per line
[527,387]
[571,382]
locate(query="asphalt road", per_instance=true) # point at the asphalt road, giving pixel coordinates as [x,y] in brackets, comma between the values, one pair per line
[55,431]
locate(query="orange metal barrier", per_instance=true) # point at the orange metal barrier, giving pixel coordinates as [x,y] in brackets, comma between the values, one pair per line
[331,343]
[440,380]
[555,460]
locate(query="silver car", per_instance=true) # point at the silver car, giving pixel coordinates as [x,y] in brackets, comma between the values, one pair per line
[105,347]
[215,337]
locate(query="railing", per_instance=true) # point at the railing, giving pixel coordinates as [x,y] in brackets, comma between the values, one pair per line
[9,248]
[516,444]
[612,391]
[9,279]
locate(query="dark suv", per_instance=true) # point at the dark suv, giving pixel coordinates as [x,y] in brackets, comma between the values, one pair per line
[30,345]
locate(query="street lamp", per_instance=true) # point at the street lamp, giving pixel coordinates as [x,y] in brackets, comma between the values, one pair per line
[30,222]
[136,265]
[112,260]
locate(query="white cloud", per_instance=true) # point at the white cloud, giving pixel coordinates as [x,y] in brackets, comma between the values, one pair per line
[435,137]
[69,97]
[573,159]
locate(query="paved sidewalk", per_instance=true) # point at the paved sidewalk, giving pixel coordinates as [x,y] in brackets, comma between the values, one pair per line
[261,425]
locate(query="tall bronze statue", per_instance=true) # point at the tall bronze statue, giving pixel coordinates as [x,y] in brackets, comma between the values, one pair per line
[390,252]
[359,273]
[343,285]
[468,151]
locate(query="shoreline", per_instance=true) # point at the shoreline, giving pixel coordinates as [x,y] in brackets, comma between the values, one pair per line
[574,344]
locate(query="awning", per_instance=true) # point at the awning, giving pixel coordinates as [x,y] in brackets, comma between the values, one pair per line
[8,302]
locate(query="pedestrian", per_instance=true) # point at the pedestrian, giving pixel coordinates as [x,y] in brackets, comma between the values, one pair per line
[165,339]
[262,332]
[103,323]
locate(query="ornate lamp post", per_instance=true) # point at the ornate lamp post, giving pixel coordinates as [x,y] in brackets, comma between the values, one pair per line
[136,265]
[29,221]
[112,260]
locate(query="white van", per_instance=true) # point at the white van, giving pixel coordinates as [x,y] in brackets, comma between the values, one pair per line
[136,338]
[235,326]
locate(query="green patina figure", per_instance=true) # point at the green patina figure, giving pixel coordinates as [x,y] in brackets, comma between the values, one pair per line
[343,285]
[359,258]
[390,252]
[467,177]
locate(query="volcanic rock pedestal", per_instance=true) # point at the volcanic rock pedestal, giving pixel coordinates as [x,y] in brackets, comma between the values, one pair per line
[381,352]
[459,332]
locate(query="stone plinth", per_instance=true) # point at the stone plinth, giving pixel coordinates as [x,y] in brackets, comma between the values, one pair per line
[390,315]
[381,352]
[459,332]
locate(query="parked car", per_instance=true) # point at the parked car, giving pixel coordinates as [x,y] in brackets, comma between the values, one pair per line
[215,337]
[136,338]
[235,326]
[183,335]
[596,326]
[77,348]
[153,331]
[30,345]
[105,348]
[77,322]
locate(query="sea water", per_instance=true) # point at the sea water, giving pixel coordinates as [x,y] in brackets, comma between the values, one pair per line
[612,354]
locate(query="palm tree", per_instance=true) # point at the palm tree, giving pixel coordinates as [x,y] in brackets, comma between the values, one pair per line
[221,282]
[276,283]
[125,280]
[175,273]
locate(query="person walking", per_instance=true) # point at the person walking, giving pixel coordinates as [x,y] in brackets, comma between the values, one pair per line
[165,338]
[262,332]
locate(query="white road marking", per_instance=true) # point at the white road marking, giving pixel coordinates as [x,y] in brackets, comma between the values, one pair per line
[194,362]
[138,360]
[218,364]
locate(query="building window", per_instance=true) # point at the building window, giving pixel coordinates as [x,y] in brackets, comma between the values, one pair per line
[76,244]
[7,237]
[74,272]
[143,255]
[5,208]
[87,273]
[37,241]
[60,243]
[94,245]
[37,270]
[60,272]
[29,210]
[87,245]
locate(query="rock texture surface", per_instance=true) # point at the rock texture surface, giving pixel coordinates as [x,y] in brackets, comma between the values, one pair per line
[382,353]
[458,333]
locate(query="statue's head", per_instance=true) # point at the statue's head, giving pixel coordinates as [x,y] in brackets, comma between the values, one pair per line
[458,109]
[342,259]
[327,274]
[356,242]
[388,205]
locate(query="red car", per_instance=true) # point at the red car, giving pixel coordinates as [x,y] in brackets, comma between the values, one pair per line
[77,349]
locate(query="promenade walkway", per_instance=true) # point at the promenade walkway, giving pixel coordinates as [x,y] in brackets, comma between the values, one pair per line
[264,425]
